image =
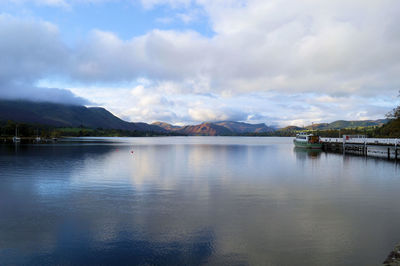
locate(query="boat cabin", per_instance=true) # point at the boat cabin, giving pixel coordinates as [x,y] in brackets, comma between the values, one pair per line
[309,138]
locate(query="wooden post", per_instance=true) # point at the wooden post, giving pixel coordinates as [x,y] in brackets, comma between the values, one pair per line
[344,144]
[365,148]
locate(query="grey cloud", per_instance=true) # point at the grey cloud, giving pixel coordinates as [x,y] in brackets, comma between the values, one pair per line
[159,55]
[32,93]
[257,117]
[209,95]
[30,51]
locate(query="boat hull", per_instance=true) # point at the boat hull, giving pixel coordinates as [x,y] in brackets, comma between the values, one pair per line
[307,145]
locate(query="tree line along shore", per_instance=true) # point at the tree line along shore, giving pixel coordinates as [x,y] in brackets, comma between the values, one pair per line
[31,131]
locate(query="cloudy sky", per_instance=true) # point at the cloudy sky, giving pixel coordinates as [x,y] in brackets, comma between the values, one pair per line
[277,62]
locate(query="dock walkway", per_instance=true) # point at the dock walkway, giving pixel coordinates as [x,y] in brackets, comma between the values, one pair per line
[376,147]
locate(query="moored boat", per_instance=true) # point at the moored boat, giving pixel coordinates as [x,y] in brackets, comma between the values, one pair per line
[307,141]
[16,139]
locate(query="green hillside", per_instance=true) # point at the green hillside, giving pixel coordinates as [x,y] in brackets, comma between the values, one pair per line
[391,129]
[60,115]
[341,124]
[291,128]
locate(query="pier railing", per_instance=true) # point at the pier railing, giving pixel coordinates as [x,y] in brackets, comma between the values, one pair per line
[369,141]
[377,147]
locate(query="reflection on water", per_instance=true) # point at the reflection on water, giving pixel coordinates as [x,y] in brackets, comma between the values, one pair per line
[303,153]
[194,200]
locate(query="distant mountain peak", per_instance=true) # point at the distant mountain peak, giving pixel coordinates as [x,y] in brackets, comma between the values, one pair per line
[217,128]
[66,115]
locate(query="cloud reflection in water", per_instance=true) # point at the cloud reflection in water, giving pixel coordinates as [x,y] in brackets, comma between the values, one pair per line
[192,201]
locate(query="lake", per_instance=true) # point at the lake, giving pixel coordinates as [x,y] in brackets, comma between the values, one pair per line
[194,200]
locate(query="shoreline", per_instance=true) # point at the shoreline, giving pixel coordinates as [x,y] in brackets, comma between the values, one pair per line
[393,259]
[28,140]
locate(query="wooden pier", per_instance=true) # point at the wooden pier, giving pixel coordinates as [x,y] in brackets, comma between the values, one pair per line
[359,145]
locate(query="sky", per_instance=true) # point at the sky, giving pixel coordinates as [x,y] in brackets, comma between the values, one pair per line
[278,62]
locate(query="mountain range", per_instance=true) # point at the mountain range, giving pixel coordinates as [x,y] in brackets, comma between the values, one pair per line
[217,128]
[61,115]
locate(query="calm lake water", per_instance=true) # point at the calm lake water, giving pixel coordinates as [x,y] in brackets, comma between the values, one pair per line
[195,200]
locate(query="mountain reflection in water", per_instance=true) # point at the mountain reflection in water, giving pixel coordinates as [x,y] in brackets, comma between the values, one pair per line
[194,200]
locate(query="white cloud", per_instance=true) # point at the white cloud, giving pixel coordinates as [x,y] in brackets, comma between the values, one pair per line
[149,102]
[321,50]
[335,48]
[216,114]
